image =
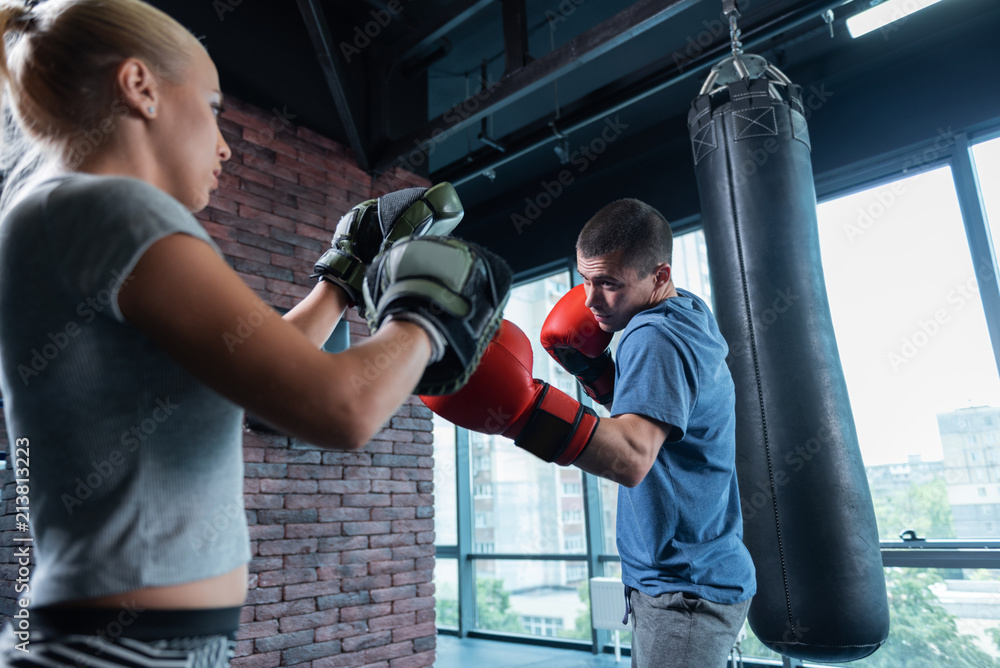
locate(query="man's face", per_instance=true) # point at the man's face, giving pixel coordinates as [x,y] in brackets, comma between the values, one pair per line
[615,292]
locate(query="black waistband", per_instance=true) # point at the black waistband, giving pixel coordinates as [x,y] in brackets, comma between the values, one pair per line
[134,622]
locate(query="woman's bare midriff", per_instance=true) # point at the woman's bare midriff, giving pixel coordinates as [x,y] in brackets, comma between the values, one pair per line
[222,591]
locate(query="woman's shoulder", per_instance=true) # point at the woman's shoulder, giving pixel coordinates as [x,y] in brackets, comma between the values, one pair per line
[78,187]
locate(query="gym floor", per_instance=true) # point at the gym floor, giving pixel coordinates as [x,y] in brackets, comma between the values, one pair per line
[454,652]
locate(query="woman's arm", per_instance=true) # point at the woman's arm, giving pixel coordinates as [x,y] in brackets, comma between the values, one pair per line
[317,315]
[189,301]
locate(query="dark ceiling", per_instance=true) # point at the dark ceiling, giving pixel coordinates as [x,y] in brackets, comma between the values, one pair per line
[482,92]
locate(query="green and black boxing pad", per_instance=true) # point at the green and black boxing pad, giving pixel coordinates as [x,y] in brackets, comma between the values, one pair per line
[457,288]
[374,225]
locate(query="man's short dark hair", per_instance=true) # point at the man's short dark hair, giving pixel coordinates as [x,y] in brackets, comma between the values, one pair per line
[633,227]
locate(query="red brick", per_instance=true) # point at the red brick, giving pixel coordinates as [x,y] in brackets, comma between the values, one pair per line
[321,530]
[413,474]
[342,571]
[366,583]
[367,641]
[421,660]
[412,500]
[287,576]
[347,458]
[296,501]
[366,473]
[419,449]
[309,652]
[299,216]
[355,556]
[345,486]
[262,564]
[286,456]
[257,661]
[393,594]
[286,546]
[366,500]
[258,629]
[394,487]
[268,501]
[341,543]
[400,526]
[365,528]
[415,631]
[344,514]
[285,609]
[314,471]
[412,577]
[389,621]
[343,630]
[284,641]
[389,651]
[271,486]
[311,589]
[267,532]
[263,595]
[251,485]
[413,604]
[391,540]
[407,513]
[369,612]
[394,566]
[309,621]
[340,661]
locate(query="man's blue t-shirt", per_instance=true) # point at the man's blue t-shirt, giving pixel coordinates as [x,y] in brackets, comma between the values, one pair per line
[680,529]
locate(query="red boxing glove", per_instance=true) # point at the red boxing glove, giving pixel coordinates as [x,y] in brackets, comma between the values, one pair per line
[573,337]
[501,397]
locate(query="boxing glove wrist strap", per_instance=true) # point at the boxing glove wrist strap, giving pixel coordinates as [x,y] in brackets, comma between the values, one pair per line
[437,340]
[559,429]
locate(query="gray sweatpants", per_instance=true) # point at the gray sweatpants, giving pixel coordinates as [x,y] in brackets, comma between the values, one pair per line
[678,630]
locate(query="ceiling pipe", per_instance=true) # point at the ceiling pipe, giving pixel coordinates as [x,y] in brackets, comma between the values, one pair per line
[485,160]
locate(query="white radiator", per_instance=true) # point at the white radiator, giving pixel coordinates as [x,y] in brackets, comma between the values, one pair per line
[607,608]
[607,603]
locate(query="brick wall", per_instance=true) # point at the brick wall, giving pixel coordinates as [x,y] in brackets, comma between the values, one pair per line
[343,542]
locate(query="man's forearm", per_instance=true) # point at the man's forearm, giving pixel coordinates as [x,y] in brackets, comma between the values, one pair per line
[317,315]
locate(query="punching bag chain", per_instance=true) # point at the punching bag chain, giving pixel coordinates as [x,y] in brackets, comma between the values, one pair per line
[730,10]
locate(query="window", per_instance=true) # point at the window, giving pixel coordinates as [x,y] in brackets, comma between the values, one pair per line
[573,544]
[986,156]
[572,489]
[482,490]
[482,520]
[543,626]
[928,349]
[445,484]
[572,517]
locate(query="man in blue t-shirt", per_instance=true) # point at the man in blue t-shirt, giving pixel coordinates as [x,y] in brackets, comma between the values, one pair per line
[688,577]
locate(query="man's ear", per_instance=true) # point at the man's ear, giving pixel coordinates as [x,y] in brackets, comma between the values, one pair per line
[663,273]
[138,86]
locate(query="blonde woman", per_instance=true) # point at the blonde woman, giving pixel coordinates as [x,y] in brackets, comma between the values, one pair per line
[120,366]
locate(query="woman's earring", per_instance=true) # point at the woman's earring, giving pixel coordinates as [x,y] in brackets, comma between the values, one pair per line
[152,110]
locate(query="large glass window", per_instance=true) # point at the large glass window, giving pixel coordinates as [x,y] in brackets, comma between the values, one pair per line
[445,484]
[916,355]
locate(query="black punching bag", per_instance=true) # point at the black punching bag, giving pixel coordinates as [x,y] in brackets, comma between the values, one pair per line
[808,518]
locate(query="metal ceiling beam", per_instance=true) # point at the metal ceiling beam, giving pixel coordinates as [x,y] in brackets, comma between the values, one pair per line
[612,97]
[623,26]
[515,35]
[434,28]
[349,107]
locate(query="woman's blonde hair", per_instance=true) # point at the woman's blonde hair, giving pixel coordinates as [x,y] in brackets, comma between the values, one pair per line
[58,60]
